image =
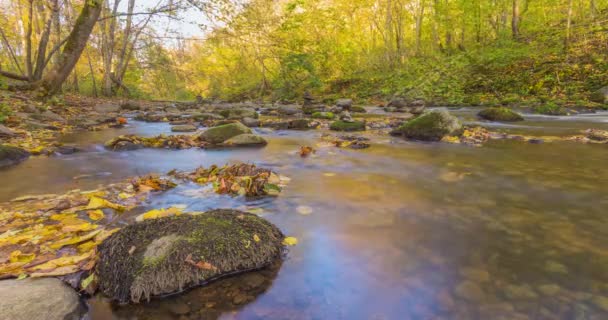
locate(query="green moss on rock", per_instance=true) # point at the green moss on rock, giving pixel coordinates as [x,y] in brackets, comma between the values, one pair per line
[347,126]
[358,109]
[551,109]
[323,115]
[500,114]
[431,126]
[224,132]
[245,140]
[168,255]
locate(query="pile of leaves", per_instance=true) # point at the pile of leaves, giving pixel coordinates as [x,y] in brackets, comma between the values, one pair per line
[129,142]
[239,179]
[472,136]
[57,235]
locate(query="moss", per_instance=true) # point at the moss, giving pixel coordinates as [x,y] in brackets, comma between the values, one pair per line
[432,126]
[551,109]
[136,263]
[500,114]
[323,115]
[347,126]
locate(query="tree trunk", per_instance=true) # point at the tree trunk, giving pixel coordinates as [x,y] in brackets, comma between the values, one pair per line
[74,46]
[419,19]
[515,20]
[568,25]
[28,41]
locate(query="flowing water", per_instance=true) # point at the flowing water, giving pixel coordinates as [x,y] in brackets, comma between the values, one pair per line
[401,230]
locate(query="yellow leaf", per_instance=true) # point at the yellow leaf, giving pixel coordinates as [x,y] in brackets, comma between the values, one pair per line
[304,210]
[124,195]
[74,240]
[96,214]
[86,282]
[63,261]
[256,238]
[79,227]
[290,241]
[99,203]
[18,256]
[60,271]
[159,213]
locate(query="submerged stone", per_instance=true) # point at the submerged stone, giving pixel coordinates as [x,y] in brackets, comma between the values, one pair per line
[347,126]
[245,140]
[183,128]
[431,126]
[10,155]
[168,255]
[500,114]
[222,133]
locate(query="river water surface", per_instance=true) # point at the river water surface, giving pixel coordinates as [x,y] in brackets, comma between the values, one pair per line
[401,230]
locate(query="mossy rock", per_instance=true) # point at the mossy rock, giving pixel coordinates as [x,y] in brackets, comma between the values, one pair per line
[10,155]
[168,255]
[245,140]
[323,115]
[551,109]
[431,126]
[500,114]
[206,116]
[358,109]
[237,114]
[183,128]
[347,126]
[224,132]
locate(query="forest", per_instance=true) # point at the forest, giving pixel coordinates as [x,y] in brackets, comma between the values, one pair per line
[303,159]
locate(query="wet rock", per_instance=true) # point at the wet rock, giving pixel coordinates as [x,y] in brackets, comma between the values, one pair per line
[549,289]
[48,116]
[222,133]
[6,132]
[250,122]
[12,155]
[308,98]
[296,124]
[476,275]
[67,150]
[179,122]
[38,299]
[311,109]
[179,308]
[501,114]
[176,253]
[358,109]
[346,117]
[536,141]
[597,135]
[130,106]
[107,107]
[397,103]
[521,292]
[470,291]
[600,302]
[289,110]
[125,146]
[323,115]
[245,140]
[240,113]
[206,116]
[347,126]
[183,128]
[344,104]
[600,96]
[431,126]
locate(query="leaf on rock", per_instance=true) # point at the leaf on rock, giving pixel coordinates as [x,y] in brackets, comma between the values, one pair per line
[159,213]
[96,215]
[290,241]
[100,203]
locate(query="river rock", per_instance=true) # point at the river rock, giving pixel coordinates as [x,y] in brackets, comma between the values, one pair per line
[107,108]
[10,155]
[48,116]
[344,104]
[183,128]
[130,106]
[323,115]
[206,116]
[239,113]
[397,103]
[6,132]
[245,140]
[250,122]
[38,299]
[289,110]
[168,255]
[222,133]
[342,125]
[600,96]
[500,114]
[431,126]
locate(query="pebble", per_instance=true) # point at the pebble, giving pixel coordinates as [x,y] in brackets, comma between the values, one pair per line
[469,290]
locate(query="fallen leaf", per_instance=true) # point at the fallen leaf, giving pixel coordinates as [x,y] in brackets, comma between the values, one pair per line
[87,281]
[100,203]
[18,256]
[304,210]
[256,238]
[305,151]
[60,271]
[290,241]
[63,261]
[96,215]
[159,213]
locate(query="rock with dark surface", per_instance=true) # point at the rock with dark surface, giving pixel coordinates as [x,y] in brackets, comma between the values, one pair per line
[289,110]
[38,299]
[344,104]
[67,149]
[500,114]
[431,126]
[168,255]
[245,140]
[308,99]
[347,126]
[34,125]
[600,96]
[222,133]
[183,128]
[12,155]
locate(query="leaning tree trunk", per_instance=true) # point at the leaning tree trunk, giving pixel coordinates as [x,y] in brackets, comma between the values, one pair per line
[74,46]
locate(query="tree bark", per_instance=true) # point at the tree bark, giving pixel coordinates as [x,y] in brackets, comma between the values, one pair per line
[73,48]
[419,20]
[515,20]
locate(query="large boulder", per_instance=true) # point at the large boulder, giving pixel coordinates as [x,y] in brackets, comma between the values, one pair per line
[344,104]
[500,114]
[10,155]
[222,133]
[38,299]
[169,255]
[239,113]
[245,140]
[431,126]
[600,96]
[347,126]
